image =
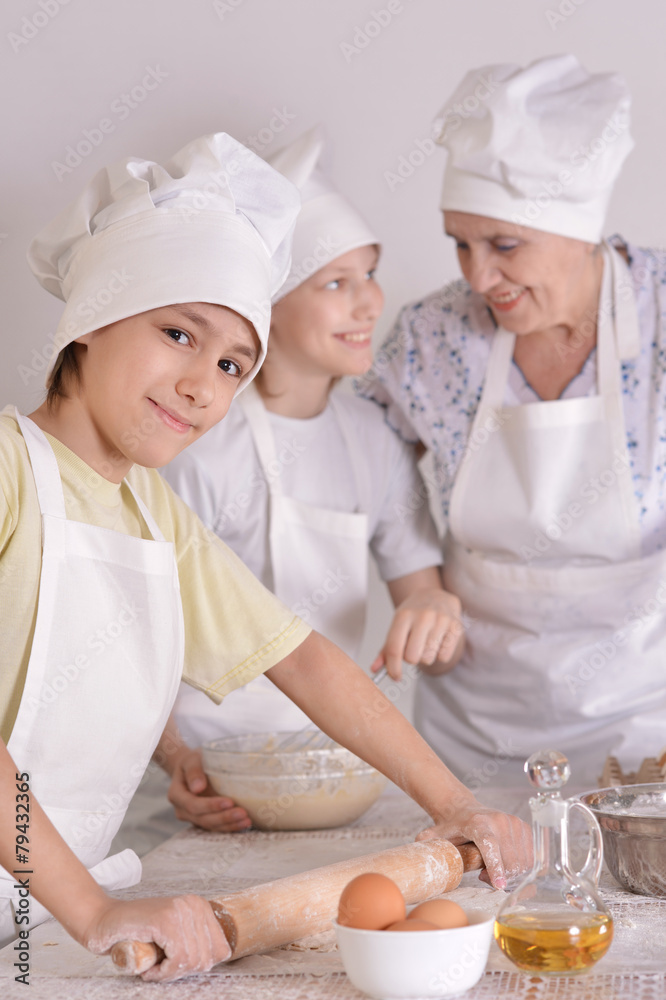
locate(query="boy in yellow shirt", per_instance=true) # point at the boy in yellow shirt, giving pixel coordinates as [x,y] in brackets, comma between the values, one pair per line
[167,273]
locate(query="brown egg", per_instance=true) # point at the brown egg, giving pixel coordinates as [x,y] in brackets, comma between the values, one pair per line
[413,925]
[372,902]
[444,913]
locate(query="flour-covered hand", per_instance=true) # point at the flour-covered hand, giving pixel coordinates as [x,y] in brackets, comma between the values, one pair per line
[184,927]
[505,842]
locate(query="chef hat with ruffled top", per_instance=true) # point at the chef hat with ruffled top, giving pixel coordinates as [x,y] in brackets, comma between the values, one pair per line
[327,226]
[212,225]
[540,146]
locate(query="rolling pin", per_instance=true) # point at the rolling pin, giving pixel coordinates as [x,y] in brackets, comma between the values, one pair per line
[277,913]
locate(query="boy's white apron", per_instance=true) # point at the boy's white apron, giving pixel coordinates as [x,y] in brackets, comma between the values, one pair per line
[105,663]
[568,640]
[316,554]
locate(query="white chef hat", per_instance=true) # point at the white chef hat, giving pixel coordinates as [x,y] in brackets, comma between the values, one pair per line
[212,225]
[539,146]
[327,226]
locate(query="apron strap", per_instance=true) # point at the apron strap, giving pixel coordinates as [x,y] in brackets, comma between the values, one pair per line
[625,310]
[497,372]
[618,334]
[47,476]
[44,467]
[608,368]
[359,465]
[256,415]
[264,440]
[145,513]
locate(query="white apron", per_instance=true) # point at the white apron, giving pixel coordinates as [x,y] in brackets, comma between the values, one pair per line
[567,644]
[104,668]
[315,553]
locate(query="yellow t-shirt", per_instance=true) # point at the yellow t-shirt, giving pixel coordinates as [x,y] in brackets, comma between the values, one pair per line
[234,628]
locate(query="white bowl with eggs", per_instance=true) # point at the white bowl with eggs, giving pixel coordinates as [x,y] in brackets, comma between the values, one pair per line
[406,965]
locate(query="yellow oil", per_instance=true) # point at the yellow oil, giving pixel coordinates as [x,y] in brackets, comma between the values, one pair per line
[554,942]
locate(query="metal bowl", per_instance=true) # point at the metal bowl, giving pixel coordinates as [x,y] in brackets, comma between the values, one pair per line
[291,789]
[633,824]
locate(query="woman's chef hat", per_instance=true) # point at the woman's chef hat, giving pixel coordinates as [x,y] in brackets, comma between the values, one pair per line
[540,146]
[212,225]
[327,226]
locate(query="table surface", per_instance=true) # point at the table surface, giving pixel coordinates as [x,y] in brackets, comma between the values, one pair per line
[210,864]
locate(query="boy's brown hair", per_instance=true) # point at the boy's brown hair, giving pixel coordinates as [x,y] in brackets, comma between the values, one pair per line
[65,371]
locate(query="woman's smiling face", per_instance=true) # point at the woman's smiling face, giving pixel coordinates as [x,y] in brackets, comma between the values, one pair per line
[531,280]
[154,383]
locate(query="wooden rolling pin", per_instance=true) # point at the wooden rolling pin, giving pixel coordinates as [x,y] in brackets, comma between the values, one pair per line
[277,913]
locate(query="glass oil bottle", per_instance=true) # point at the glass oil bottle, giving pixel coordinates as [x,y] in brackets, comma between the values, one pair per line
[555,921]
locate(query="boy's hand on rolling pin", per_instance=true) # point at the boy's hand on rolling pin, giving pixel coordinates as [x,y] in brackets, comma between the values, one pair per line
[196,801]
[184,927]
[505,842]
[426,630]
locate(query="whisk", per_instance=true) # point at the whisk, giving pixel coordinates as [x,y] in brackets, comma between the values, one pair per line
[311,737]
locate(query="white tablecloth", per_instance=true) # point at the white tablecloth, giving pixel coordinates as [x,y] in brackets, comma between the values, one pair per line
[211,864]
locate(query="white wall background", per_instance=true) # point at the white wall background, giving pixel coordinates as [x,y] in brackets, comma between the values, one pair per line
[230,64]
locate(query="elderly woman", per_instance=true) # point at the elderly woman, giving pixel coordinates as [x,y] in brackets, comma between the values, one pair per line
[537,384]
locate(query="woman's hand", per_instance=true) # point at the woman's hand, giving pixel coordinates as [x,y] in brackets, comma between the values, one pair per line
[196,801]
[426,629]
[505,842]
[184,927]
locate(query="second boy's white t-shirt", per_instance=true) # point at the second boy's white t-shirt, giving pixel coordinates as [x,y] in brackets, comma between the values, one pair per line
[221,478]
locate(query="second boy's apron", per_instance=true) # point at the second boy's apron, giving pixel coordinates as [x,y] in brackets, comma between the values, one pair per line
[567,646]
[104,668]
[319,563]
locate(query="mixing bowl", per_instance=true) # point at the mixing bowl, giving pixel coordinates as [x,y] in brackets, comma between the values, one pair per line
[633,823]
[403,964]
[291,789]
